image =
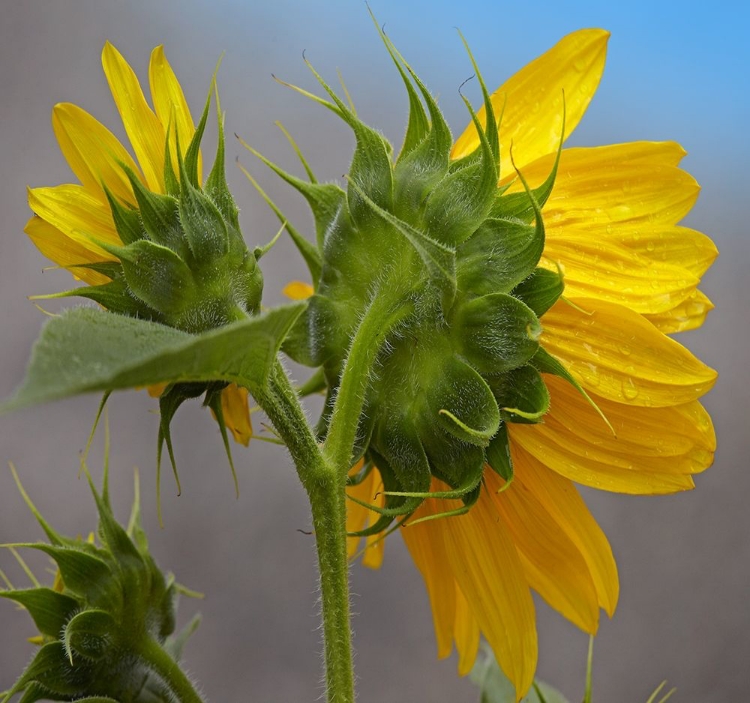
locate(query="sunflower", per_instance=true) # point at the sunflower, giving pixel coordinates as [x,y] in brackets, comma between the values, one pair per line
[73,224]
[631,277]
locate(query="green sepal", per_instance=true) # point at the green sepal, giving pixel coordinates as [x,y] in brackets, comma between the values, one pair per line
[541,290]
[160,216]
[309,252]
[193,150]
[401,445]
[171,182]
[49,609]
[204,227]
[51,669]
[500,255]
[88,634]
[521,394]
[157,275]
[127,221]
[110,269]
[114,296]
[370,170]
[498,454]
[496,333]
[83,573]
[85,350]
[175,643]
[439,259]
[216,186]
[462,404]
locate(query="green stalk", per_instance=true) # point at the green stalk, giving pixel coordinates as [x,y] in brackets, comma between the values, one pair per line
[326,489]
[162,663]
[385,311]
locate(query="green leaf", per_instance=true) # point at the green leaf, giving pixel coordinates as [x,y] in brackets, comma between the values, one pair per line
[204,227]
[175,644]
[127,221]
[49,609]
[88,634]
[51,669]
[85,350]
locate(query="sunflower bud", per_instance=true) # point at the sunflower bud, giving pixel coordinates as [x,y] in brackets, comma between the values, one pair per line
[433,243]
[109,608]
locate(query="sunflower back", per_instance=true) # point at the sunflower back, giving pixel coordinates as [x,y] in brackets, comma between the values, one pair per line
[440,266]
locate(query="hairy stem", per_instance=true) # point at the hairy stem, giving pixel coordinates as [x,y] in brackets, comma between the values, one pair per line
[326,489]
[169,670]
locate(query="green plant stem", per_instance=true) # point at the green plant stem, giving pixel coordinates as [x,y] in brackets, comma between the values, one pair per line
[326,489]
[169,670]
[386,310]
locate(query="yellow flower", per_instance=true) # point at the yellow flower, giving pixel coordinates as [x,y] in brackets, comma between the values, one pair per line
[631,276]
[68,218]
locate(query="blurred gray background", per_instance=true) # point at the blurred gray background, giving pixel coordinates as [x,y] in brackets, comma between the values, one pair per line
[684,560]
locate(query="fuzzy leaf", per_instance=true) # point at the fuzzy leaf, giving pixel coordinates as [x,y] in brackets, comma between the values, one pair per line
[85,350]
[49,609]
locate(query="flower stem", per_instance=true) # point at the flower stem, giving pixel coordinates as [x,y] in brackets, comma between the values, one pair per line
[326,489]
[169,670]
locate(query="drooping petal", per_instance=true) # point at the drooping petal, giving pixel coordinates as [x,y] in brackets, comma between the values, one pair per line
[654,449]
[65,252]
[619,355]
[559,497]
[553,565]
[372,556]
[78,214]
[597,267]
[531,102]
[427,548]
[142,126]
[489,572]
[466,635]
[688,315]
[297,290]
[236,411]
[170,104]
[94,154]
[356,514]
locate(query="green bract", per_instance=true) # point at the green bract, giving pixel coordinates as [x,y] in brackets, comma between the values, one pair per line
[107,626]
[443,265]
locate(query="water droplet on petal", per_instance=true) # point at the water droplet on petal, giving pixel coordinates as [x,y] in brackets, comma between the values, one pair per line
[629,389]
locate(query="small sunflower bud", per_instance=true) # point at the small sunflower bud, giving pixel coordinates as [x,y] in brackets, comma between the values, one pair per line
[108,609]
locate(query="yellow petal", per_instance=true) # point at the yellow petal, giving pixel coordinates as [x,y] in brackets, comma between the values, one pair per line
[653,451]
[619,355]
[466,635]
[93,152]
[688,315]
[596,267]
[358,516]
[670,245]
[553,565]
[531,102]
[605,158]
[65,252]
[297,290]
[234,406]
[562,502]
[142,126]
[170,104]
[427,548]
[600,195]
[77,214]
[487,568]
[157,389]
